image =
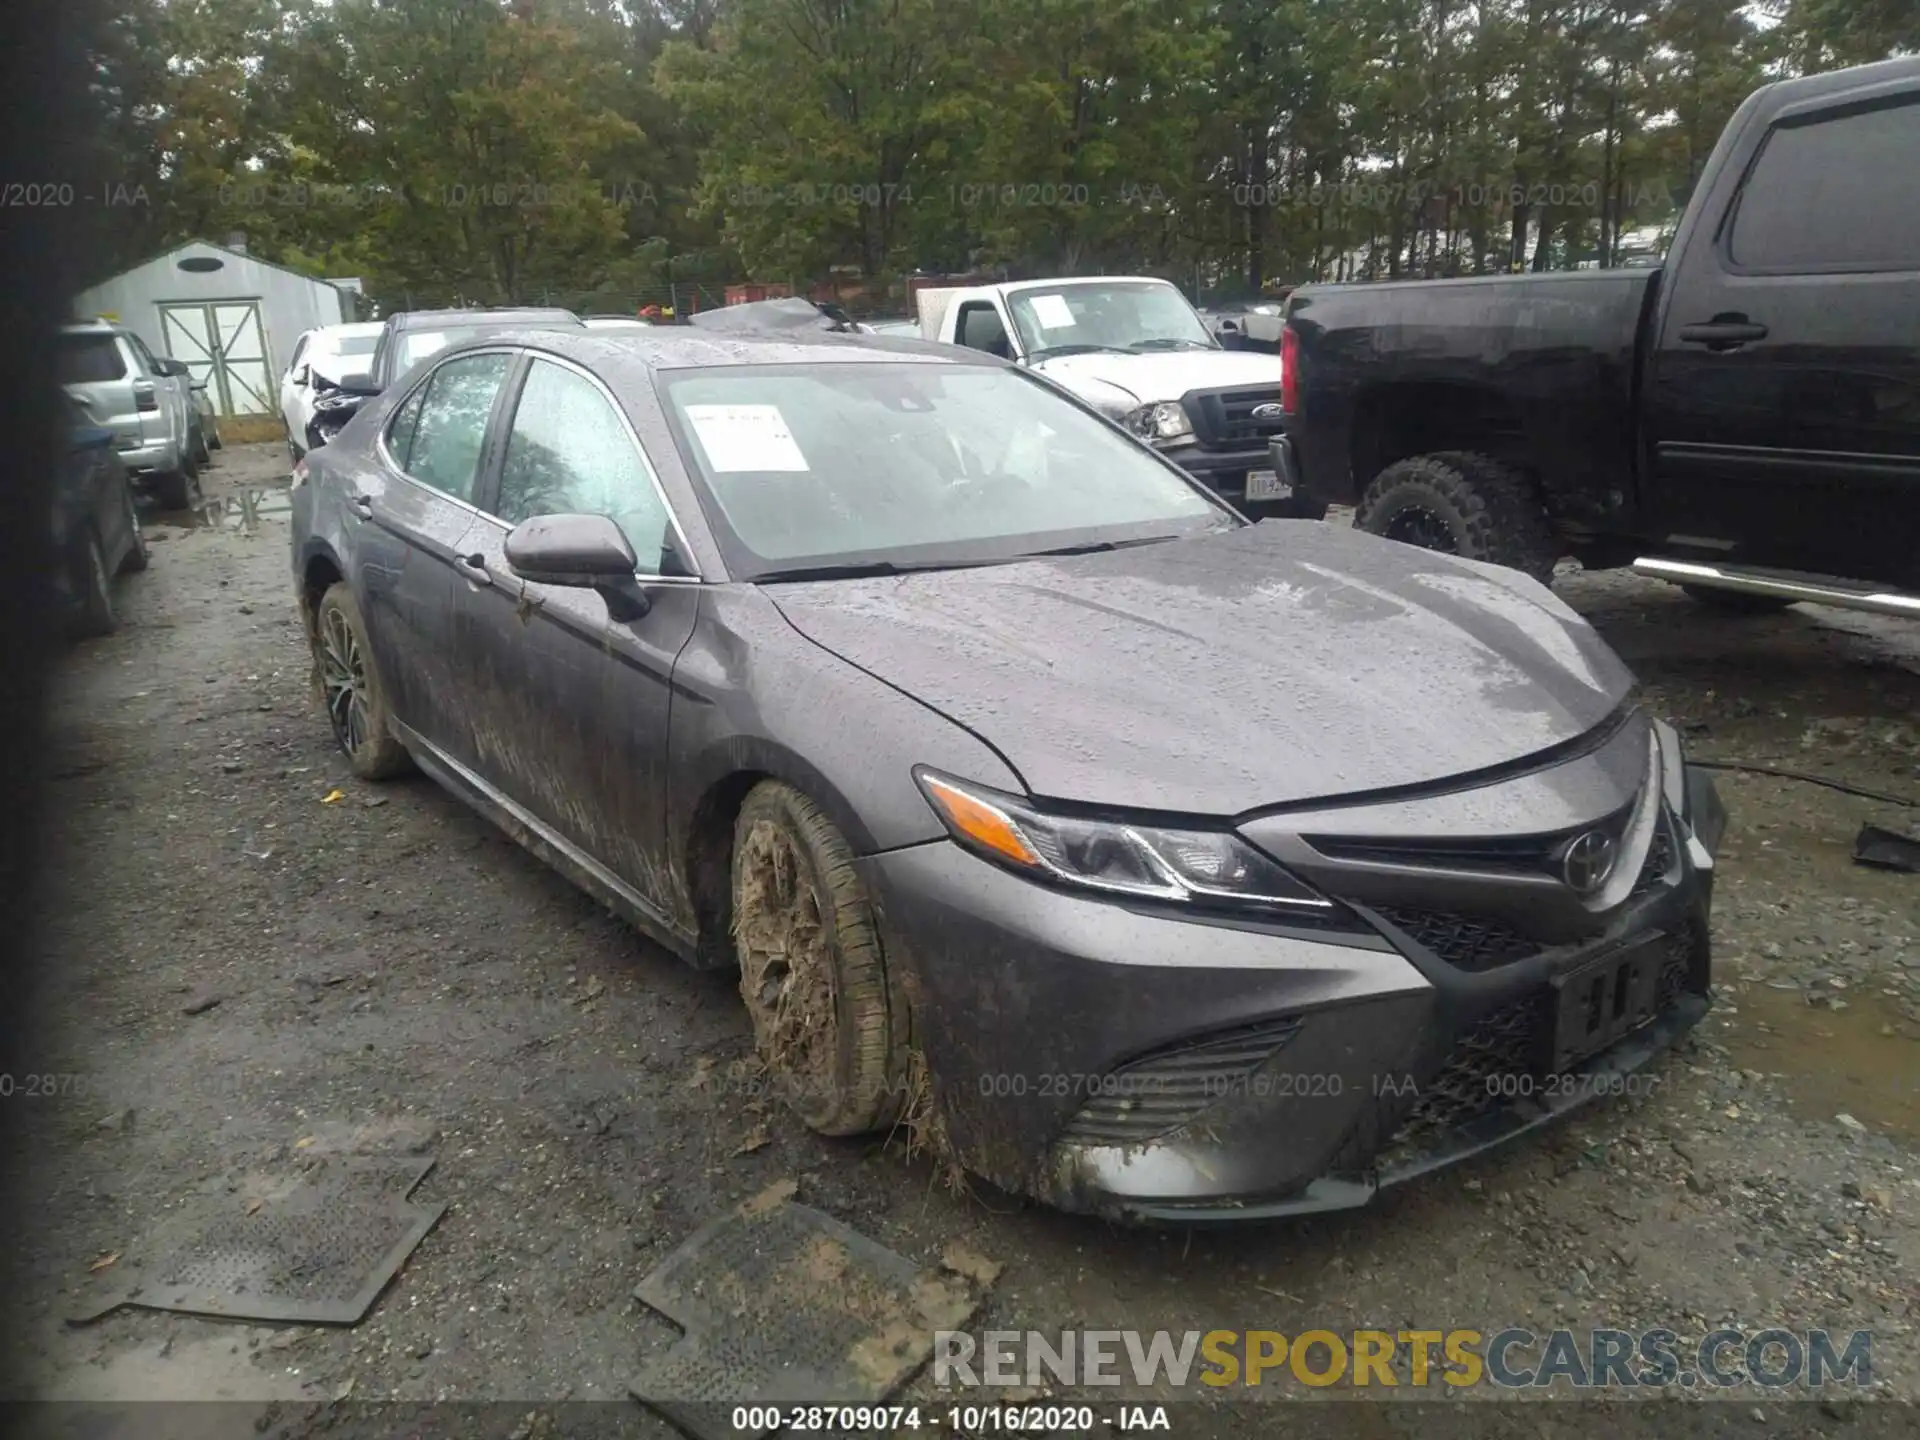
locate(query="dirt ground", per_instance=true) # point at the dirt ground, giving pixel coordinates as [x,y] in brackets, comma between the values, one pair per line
[241,975]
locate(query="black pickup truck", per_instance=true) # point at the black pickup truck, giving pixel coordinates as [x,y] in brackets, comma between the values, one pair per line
[1743,420]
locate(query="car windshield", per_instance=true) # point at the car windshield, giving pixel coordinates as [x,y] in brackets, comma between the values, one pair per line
[1122,315]
[826,466]
[86,359]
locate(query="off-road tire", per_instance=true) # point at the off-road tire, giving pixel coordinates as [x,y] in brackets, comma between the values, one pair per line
[1736,602]
[135,560]
[180,489]
[96,591]
[829,1022]
[1483,508]
[202,456]
[376,755]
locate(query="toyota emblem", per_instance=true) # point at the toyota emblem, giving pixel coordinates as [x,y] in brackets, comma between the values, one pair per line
[1269,411]
[1589,860]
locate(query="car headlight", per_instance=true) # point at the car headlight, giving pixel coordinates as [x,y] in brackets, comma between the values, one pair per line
[1149,862]
[1164,421]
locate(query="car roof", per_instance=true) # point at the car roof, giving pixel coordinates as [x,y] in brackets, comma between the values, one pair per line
[680,347]
[407,319]
[349,330]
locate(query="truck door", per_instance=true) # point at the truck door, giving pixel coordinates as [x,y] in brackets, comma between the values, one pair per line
[1783,398]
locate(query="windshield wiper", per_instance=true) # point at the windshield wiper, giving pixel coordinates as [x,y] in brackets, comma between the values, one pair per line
[1168,342]
[1094,547]
[863,569]
[1053,350]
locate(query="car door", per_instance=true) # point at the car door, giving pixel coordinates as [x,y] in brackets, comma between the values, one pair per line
[571,706]
[411,506]
[1784,395]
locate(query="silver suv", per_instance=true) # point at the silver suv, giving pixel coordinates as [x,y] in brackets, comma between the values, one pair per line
[146,401]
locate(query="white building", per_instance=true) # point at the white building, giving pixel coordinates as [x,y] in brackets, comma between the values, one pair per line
[232,317]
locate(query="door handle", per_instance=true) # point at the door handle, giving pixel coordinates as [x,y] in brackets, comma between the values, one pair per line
[1723,334]
[474,568]
[361,506]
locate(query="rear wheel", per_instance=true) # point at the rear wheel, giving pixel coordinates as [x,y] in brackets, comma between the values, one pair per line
[1736,602]
[180,489]
[813,974]
[201,455]
[1462,504]
[95,588]
[350,687]
[136,557]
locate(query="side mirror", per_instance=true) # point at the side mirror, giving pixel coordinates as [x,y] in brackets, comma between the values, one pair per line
[359,383]
[1229,327]
[170,367]
[301,375]
[586,552]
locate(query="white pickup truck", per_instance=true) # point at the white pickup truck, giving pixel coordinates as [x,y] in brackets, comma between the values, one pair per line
[1134,348]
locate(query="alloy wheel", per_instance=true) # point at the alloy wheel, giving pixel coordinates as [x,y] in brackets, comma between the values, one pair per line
[343,677]
[786,960]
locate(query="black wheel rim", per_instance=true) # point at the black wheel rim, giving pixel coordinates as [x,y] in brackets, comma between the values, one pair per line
[1417,525]
[343,676]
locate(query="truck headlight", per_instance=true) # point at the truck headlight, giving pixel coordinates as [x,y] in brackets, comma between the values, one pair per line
[1164,421]
[1149,862]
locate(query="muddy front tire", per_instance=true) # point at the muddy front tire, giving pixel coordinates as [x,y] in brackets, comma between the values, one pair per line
[828,1023]
[350,688]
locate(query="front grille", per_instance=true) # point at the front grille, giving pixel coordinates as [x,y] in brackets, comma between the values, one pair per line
[1477,942]
[1224,419]
[1164,1089]
[1512,1041]
[1465,942]
[1506,855]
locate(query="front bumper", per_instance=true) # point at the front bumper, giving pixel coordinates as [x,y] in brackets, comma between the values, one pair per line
[1222,471]
[1148,1066]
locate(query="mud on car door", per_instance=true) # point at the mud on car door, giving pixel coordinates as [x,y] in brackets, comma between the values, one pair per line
[568,702]
[409,511]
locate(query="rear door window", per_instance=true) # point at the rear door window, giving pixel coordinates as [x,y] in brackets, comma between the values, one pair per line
[1833,193]
[452,424]
[88,359]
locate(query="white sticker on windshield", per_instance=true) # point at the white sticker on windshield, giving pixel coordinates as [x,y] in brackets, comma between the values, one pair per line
[745,437]
[1052,312]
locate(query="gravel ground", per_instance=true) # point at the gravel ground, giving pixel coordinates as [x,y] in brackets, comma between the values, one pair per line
[243,976]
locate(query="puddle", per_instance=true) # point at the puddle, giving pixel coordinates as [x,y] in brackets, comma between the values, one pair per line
[241,510]
[1863,1061]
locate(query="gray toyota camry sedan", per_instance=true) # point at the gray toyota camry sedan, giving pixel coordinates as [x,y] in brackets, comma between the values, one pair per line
[1159,864]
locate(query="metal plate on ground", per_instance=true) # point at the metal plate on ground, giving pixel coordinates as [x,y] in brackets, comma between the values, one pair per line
[314,1249]
[782,1305]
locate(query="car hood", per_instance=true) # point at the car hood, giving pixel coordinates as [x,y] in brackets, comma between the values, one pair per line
[1164,375]
[1276,663]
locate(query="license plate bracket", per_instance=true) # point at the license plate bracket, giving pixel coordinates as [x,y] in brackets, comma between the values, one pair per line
[1606,998]
[1267,485]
